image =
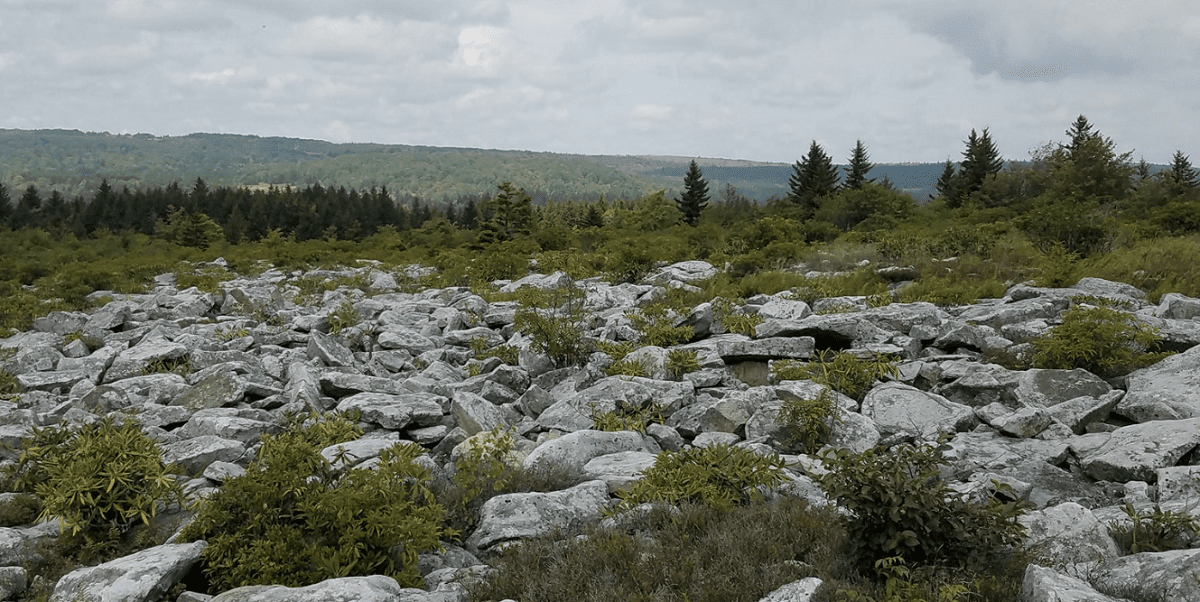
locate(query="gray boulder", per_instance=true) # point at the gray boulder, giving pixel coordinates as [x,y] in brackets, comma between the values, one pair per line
[395,412]
[475,414]
[1168,390]
[796,591]
[373,588]
[195,454]
[765,349]
[1047,585]
[896,408]
[1151,576]
[219,390]
[574,413]
[141,577]
[619,470]
[516,516]
[1136,452]
[1076,414]
[329,350]
[1174,306]
[132,361]
[574,450]
[1044,388]
[1069,534]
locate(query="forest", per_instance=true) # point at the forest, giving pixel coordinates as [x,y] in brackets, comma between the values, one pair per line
[1076,206]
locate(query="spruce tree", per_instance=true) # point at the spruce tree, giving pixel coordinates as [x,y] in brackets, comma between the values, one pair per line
[946,183]
[856,171]
[980,160]
[695,195]
[1079,132]
[511,210]
[1183,175]
[6,208]
[812,178]
[25,214]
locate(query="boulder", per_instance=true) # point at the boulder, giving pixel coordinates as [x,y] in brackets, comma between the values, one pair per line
[684,271]
[1068,534]
[575,412]
[1047,585]
[1151,576]
[329,350]
[475,414]
[373,588]
[144,576]
[574,450]
[1136,452]
[516,516]
[1044,388]
[765,349]
[217,391]
[1174,306]
[195,454]
[1168,390]
[132,361]
[619,470]
[896,408]
[796,591]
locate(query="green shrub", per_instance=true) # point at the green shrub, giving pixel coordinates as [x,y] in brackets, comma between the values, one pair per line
[1154,530]
[170,365]
[1102,340]
[9,388]
[295,519]
[862,281]
[682,361]
[21,509]
[556,323]
[735,321]
[898,586]
[343,317]
[626,418]
[482,468]
[808,421]
[205,279]
[844,372]
[100,479]
[719,476]
[231,333]
[656,325]
[614,349]
[627,367]
[950,290]
[900,506]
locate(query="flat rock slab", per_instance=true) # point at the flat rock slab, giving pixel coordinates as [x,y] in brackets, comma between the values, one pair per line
[898,408]
[219,390]
[766,349]
[1168,390]
[1151,576]
[1068,533]
[395,412]
[1136,452]
[522,515]
[1047,585]
[144,576]
[373,588]
[796,591]
[574,450]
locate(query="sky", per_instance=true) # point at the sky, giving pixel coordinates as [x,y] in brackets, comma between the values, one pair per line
[758,80]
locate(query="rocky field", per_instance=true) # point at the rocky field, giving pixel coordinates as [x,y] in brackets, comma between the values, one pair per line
[1077,447]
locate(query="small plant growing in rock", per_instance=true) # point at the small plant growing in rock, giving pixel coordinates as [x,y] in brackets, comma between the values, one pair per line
[20,509]
[626,418]
[483,466]
[1100,339]
[682,361]
[809,420]
[9,388]
[734,320]
[556,322]
[343,317]
[627,367]
[294,519]
[719,476]
[843,372]
[100,479]
[230,334]
[614,349]
[1154,530]
[507,353]
[656,325]
[179,365]
[900,506]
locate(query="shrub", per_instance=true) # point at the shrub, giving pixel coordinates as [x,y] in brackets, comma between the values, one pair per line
[862,281]
[656,325]
[616,350]
[682,361]
[506,353]
[1102,340]
[947,291]
[1154,530]
[343,317]
[808,420]
[294,519]
[555,321]
[734,320]
[844,372]
[20,509]
[719,476]
[627,367]
[100,479]
[626,418]
[900,506]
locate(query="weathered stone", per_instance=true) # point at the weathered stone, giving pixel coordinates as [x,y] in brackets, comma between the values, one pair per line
[713,438]
[1045,388]
[244,430]
[684,271]
[575,412]
[352,453]
[195,454]
[1174,306]
[329,350]
[832,331]
[1151,576]
[619,470]
[796,591]
[522,515]
[1047,585]
[340,384]
[1136,452]
[395,412]
[142,576]
[1068,534]
[1024,423]
[152,388]
[765,349]
[541,281]
[475,414]
[782,309]
[219,472]
[1178,483]
[898,408]
[406,340]
[372,588]
[132,361]
[216,391]
[1079,412]
[61,380]
[954,335]
[575,449]
[1168,390]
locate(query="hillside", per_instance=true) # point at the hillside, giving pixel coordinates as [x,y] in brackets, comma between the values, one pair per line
[74,163]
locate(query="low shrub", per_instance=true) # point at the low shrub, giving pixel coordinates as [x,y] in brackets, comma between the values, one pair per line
[556,323]
[682,361]
[1155,530]
[808,421]
[295,519]
[343,317]
[100,479]
[627,418]
[719,476]
[20,509]
[951,290]
[899,505]
[734,320]
[1100,339]
[656,326]
[844,372]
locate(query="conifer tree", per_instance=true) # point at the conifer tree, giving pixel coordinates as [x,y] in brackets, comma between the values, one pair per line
[946,181]
[980,160]
[812,178]
[1142,170]
[6,208]
[695,195]
[512,211]
[856,171]
[25,214]
[1183,175]
[1079,132]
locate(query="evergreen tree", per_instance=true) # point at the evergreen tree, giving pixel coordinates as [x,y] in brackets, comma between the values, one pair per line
[6,208]
[25,214]
[946,182]
[469,218]
[695,195]
[512,211]
[1183,175]
[1079,132]
[1142,170]
[812,178]
[980,160]
[54,211]
[856,171]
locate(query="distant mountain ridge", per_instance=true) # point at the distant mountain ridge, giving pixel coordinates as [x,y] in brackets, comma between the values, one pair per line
[75,162]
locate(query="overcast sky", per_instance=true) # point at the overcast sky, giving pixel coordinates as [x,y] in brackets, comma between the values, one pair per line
[707,78]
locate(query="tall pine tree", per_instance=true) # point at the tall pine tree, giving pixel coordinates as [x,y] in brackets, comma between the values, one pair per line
[813,177]
[1183,175]
[946,181]
[980,160]
[860,164]
[1079,132]
[6,208]
[695,195]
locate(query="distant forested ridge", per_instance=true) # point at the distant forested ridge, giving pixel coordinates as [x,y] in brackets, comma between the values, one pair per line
[75,163]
